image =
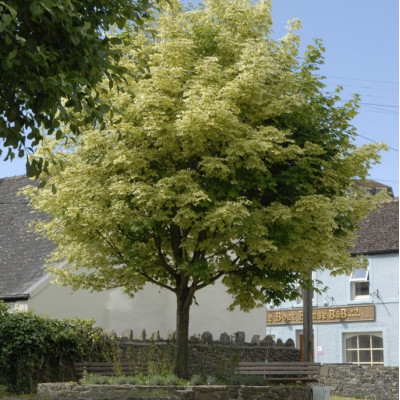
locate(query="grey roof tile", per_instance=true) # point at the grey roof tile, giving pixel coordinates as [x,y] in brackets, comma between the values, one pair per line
[379,232]
[22,254]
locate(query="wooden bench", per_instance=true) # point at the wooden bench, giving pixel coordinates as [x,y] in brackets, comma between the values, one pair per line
[109,368]
[281,371]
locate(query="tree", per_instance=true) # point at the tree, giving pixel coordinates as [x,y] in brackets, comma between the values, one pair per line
[223,159]
[53,54]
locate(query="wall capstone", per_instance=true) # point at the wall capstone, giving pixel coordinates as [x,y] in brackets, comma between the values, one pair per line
[255,339]
[240,337]
[207,337]
[225,338]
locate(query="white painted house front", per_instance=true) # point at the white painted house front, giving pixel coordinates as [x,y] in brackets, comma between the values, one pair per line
[357,319]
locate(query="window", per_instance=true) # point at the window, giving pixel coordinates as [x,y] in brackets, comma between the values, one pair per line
[359,280]
[364,348]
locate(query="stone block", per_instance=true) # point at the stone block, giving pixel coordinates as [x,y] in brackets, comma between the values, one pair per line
[255,339]
[207,337]
[289,343]
[268,341]
[225,338]
[240,337]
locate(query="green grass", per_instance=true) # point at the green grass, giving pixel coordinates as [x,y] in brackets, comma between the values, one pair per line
[342,398]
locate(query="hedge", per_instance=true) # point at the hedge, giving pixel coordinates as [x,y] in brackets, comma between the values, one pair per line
[36,349]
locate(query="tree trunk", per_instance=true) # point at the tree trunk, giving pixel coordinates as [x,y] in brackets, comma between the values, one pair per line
[184,300]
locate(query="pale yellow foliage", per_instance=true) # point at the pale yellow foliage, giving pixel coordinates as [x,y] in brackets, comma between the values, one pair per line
[221,158]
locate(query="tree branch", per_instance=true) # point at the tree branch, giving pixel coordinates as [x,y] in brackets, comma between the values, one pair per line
[221,273]
[111,244]
[176,240]
[152,280]
[223,251]
[167,267]
[198,254]
[212,280]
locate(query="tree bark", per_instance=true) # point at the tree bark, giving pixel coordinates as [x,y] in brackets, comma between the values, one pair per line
[184,300]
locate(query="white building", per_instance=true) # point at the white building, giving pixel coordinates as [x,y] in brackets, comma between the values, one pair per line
[357,319]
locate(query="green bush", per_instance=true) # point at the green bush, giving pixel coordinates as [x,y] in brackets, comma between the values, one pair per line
[156,380]
[196,380]
[35,349]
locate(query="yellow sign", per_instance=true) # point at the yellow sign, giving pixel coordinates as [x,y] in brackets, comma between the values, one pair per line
[322,315]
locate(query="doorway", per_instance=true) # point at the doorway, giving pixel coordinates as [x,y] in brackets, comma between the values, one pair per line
[301,346]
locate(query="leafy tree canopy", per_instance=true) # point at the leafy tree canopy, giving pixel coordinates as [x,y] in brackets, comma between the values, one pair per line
[223,158]
[53,53]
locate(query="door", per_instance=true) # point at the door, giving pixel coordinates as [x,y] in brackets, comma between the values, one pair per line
[301,345]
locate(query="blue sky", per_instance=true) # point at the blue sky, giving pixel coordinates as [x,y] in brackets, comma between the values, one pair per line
[362,55]
[361,38]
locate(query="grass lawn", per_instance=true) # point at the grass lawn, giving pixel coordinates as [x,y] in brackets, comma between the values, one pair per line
[342,398]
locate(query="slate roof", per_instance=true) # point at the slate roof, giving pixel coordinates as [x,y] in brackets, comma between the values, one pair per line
[379,232]
[22,255]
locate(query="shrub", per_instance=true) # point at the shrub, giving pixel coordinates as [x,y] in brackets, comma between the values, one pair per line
[3,390]
[93,379]
[172,379]
[35,349]
[196,380]
[211,380]
[156,380]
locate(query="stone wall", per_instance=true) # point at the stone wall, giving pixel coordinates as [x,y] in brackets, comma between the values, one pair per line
[364,382]
[108,392]
[206,355]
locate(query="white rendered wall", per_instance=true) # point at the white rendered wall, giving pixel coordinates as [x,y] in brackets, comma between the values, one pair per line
[152,309]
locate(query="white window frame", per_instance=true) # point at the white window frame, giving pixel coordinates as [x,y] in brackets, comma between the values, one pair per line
[358,349]
[356,280]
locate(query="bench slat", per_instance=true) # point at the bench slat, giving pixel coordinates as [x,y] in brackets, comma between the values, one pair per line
[281,371]
[280,367]
[273,363]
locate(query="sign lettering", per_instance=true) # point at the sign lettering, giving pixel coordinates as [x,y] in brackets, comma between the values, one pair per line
[322,315]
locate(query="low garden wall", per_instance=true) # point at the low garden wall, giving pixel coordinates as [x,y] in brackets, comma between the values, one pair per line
[206,355]
[364,382]
[108,392]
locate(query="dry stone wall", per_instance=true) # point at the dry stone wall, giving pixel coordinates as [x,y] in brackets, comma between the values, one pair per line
[94,392]
[363,382]
[206,355]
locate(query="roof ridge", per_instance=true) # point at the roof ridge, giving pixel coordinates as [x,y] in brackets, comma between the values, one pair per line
[13,177]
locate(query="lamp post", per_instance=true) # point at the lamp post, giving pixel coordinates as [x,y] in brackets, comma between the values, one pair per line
[307,320]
